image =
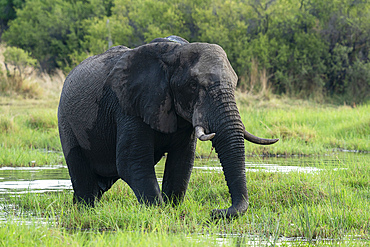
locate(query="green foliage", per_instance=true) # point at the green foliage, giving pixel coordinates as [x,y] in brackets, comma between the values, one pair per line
[18,58]
[8,11]
[304,48]
[51,30]
[357,81]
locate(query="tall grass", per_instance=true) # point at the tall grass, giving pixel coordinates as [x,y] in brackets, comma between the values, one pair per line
[29,157]
[303,128]
[327,204]
[321,205]
[12,234]
[306,128]
[28,133]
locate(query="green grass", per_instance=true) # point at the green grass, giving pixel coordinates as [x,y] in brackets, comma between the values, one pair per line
[304,128]
[44,235]
[18,156]
[28,133]
[330,204]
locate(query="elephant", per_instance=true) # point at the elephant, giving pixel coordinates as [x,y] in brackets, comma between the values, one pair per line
[121,111]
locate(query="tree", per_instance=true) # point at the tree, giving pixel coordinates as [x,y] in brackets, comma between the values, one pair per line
[18,58]
[52,29]
[302,46]
[8,12]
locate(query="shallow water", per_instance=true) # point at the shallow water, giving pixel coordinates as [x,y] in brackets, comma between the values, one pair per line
[257,240]
[15,180]
[34,179]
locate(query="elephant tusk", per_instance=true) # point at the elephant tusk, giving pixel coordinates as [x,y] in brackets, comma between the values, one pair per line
[199,132]
[252,138]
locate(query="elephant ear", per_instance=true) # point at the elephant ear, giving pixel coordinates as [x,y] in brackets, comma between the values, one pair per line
[140,81]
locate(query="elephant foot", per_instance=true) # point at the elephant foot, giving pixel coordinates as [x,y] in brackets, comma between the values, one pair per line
[230,213]
[84,201]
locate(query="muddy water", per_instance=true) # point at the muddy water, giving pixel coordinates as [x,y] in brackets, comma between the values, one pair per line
[15,180]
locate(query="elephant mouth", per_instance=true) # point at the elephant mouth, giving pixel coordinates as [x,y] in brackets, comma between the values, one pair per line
[201,135]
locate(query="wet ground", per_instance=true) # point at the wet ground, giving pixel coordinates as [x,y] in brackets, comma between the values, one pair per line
[18,180]
[55,178]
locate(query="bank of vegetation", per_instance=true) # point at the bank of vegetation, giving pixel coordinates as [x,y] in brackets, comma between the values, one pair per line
[304,48]
[29,129]
[326,207]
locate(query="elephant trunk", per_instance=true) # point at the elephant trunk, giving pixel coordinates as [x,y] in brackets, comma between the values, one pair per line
[229,145]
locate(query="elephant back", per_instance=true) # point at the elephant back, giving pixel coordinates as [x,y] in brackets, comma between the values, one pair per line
[89,75]
[85,81]
[83,89]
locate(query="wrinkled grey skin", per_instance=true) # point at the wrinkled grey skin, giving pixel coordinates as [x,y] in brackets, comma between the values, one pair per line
[122,110]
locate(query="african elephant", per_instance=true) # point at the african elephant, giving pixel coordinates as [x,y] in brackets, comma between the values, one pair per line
[121,111]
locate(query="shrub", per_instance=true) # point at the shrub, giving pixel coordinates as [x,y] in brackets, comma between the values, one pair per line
[357,82]
[21,61]
[18,58]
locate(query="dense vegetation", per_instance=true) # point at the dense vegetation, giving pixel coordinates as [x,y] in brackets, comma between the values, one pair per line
[306,48]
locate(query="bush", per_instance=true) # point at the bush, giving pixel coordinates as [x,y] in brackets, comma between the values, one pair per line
[304,48]
[21,61]
[357,82]
[18,58]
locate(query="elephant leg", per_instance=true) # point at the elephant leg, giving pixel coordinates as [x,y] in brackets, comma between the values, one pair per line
[105,184]
[145,185]
[84,180]
[135,160]
[178,168]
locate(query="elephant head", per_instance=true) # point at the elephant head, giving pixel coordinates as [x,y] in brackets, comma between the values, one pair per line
[162,82]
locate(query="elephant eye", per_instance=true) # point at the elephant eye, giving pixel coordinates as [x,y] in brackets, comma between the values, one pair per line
[193,84]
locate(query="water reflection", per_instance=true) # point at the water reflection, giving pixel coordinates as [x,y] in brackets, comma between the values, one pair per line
[260,240]
[269,168]
[17,180]
[56,178]
[39,186]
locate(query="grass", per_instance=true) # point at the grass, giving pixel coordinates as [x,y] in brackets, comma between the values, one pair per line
[43,235]
[308,128]
[28,132]
[304,128]
[330,204]
[29,157]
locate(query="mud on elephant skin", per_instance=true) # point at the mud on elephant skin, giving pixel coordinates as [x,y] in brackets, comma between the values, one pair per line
[122,110]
